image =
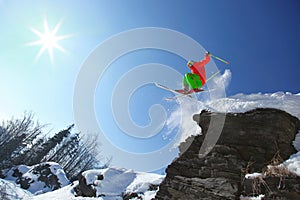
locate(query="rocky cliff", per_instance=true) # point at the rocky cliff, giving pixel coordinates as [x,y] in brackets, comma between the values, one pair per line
[248,143]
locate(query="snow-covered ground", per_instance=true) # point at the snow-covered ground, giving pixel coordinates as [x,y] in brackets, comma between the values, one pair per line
[10,191]
[116,182]
[30,173]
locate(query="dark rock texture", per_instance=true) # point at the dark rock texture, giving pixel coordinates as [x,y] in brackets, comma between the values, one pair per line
[247,144]
[274,187]
[84,189]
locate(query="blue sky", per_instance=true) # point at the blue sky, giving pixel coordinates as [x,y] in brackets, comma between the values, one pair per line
[259,38]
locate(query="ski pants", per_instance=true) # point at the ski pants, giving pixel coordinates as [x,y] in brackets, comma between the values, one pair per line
[191,80]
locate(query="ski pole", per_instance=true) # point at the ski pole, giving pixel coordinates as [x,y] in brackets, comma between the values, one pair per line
[212,76]
[220,59]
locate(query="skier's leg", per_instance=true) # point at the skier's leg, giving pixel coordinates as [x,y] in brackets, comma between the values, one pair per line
[194,81]
[185,83]
[198,81]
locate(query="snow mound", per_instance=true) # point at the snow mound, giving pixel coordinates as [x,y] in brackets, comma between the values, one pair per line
[65,193]
[242,102]
[119,182]
[10,191]
[39,178]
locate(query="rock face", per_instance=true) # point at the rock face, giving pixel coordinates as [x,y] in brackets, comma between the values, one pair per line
[248,143]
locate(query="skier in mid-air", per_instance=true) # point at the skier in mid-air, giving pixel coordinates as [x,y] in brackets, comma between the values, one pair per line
[193,82]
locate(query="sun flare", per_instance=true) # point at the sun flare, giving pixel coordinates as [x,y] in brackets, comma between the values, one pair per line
[48,40]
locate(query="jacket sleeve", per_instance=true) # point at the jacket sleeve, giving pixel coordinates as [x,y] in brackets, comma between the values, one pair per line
[204,61]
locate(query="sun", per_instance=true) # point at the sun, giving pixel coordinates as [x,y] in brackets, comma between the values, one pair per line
[48,40]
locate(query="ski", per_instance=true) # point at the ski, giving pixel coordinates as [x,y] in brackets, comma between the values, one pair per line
[182,95]
[179,93]
[169,89]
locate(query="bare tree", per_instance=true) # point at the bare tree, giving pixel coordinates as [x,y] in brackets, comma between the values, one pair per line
[48,145]
[16,137]
[22,141]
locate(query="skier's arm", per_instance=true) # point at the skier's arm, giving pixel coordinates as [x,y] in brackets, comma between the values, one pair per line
[205,60]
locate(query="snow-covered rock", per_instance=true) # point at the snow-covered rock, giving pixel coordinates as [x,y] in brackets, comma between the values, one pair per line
[108,184]
[112,182]
[238,103]
[247,142]
[245,102]
[39,178]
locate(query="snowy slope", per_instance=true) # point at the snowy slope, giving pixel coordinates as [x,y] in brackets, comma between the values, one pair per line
[116,182]
[122,180]
[36,176]
[10,191]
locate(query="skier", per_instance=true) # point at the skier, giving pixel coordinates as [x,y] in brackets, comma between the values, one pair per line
[193,82]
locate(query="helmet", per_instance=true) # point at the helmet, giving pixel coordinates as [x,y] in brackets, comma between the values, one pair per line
[190,63]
